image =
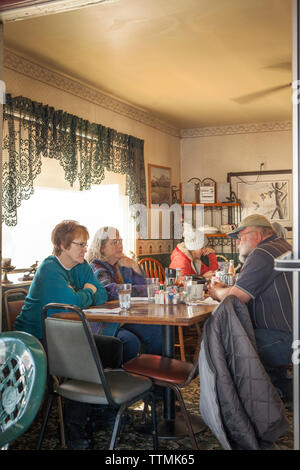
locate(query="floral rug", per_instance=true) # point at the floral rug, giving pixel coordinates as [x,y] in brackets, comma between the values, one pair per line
[130,439]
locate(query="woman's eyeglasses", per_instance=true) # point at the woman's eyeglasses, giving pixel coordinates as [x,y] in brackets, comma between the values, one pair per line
[117,241]
[82,244]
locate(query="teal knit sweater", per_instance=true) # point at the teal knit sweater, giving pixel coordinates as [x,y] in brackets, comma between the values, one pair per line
[54,283]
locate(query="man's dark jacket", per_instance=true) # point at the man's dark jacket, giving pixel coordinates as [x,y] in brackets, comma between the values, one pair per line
[237,399]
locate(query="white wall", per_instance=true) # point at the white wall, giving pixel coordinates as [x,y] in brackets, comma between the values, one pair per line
[235,149]
[216,155]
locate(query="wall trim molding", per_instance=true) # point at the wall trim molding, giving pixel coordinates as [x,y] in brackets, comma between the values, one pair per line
[63,82]
[275,126]
[55,79]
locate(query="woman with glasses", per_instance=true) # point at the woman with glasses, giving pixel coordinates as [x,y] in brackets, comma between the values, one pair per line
[65,277]
[112,267]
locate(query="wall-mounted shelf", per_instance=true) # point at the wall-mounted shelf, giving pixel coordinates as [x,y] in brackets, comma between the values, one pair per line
[216,235]
[216,204]
[217,212]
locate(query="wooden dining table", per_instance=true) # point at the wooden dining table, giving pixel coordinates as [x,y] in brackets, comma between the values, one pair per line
[149,313]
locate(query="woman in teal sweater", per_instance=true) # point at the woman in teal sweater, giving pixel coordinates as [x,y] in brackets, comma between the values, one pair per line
[67,278]
[54,282]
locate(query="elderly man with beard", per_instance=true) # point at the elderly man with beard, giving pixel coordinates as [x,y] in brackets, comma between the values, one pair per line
[267,294]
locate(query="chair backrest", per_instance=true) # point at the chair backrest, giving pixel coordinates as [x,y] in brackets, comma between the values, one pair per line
[13,301]
[221,260]
[153,268]
[70,347]
[23,369]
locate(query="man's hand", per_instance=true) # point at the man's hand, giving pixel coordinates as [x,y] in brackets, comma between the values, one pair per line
[87,285]
[216,288]
[219,291]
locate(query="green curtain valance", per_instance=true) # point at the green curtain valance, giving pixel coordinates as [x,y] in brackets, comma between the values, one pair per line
[85,150]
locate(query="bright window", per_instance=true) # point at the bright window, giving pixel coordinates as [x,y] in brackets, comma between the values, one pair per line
[30,239]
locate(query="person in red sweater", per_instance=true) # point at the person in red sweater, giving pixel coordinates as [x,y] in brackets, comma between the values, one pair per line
[192,256]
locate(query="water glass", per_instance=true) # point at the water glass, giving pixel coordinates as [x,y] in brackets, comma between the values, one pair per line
[152,284]
[187,280]
[194,291]
[124,292]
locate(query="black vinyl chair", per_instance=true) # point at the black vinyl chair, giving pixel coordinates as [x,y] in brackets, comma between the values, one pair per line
[73,357]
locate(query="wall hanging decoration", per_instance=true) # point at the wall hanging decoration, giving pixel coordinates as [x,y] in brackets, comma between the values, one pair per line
[159,183]
[208,191]
[268,193]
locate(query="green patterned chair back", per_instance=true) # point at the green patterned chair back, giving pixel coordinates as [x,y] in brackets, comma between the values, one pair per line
[23,370]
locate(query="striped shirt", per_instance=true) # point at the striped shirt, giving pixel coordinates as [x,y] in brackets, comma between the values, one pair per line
[271,304]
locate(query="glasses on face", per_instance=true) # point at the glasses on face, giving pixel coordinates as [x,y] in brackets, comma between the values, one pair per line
[245,233]
[117,241]
[82,245]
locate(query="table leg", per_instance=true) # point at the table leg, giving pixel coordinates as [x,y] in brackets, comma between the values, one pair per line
[168,351]
[173,425]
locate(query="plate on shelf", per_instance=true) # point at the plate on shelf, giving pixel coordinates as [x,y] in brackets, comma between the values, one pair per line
[208,229]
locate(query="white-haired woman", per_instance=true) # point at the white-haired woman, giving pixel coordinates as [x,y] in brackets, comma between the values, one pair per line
[192,255]
[111,267]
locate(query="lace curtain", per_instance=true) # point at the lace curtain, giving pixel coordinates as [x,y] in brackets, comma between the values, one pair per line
[85,150]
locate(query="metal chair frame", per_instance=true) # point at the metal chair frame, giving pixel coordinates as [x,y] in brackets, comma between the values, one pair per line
[169,373]
[55,391]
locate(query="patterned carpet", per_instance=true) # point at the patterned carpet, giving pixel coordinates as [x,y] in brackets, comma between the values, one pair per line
[131,439]
[134,440]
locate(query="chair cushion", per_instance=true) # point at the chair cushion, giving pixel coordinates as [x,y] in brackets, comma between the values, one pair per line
[124,387]
[160,368]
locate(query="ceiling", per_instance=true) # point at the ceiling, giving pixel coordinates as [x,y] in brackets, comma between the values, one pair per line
[190,63]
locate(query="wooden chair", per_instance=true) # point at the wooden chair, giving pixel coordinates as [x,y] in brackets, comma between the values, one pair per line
[13,300]
[221,258]
[13,307]
[154,268]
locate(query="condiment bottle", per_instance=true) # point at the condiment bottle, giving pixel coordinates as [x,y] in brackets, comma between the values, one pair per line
[178,279]
[161,294]
[231,269]
[231,274]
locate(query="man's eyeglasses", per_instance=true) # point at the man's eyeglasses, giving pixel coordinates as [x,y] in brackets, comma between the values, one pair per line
[117,241]
[82,244]
[245,233]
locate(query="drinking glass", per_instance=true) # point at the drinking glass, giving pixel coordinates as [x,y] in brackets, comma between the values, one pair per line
[194,291]
[124,292]
[187,280]
[152,284]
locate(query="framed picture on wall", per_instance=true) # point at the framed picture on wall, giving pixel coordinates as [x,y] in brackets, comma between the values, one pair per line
[268,193]
[159,178]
